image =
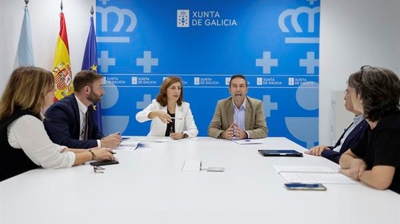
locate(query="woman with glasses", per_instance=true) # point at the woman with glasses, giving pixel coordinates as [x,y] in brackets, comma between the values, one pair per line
[375,159]
[24,143]
[169,115]
[350,136]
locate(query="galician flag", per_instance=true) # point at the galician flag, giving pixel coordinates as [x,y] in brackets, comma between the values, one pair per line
[24,55]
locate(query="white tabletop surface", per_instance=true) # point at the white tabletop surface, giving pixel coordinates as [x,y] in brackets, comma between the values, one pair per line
[149,186]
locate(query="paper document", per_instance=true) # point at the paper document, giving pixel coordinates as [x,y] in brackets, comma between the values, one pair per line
[130,145]
[323,178]
[159,140]
[191,165]
[247,141]
[304,169]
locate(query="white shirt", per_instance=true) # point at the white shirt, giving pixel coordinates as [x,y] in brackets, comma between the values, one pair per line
[28,133]
[82,118]
[356,121]
[239,116]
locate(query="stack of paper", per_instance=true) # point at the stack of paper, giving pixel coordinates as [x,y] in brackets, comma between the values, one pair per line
[312,174]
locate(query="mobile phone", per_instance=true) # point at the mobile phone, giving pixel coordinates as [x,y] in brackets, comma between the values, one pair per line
[104,163]
[305,186]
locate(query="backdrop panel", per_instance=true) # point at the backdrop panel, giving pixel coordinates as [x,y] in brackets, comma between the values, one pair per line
[275,44]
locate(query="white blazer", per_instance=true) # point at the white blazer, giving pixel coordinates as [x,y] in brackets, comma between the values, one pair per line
[184,121]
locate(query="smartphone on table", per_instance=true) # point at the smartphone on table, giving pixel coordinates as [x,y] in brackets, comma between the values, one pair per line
[104,163]
[305,186]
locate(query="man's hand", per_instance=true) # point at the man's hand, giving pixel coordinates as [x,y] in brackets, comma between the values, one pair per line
[111,141]
[239,133]
[229,132]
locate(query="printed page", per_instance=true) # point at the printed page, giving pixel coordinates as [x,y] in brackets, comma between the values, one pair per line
[323,178]
[304,169]
[158,139]
[130,143]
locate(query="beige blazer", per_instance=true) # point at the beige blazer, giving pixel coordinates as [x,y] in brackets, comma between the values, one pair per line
[184,120]
[255,121]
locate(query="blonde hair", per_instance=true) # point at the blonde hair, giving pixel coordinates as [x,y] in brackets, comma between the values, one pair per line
[25,90]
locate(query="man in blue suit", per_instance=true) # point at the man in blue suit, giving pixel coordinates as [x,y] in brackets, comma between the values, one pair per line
[349,137]
[70,121]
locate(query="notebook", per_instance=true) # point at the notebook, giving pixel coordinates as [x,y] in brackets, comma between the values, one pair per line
[280,152]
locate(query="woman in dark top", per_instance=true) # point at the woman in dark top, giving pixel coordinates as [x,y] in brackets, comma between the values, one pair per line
[24,143]
[375,159]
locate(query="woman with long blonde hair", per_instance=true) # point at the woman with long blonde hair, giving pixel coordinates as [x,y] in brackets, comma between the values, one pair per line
[24,143]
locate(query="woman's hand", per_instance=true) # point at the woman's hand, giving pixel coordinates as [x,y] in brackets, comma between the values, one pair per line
[101,154]
[317,150]
[358,166]
[164,117]
[176,136]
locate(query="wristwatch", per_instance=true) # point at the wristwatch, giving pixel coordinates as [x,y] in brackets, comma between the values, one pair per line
[185,135]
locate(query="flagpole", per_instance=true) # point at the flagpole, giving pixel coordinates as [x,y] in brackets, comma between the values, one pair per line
[24,54]
[90,63]
[62,62]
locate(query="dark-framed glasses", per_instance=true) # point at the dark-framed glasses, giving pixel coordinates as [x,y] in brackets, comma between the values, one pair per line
[364,67]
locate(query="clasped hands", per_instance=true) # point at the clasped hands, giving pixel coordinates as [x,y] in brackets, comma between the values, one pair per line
[357,168]
[234,131]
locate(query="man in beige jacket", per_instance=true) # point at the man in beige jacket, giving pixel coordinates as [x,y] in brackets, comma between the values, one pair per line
[239,116]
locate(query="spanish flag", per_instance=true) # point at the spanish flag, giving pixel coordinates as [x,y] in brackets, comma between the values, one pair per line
[62,65]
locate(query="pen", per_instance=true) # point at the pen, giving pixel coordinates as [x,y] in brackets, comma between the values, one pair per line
[176,118]
[112,152]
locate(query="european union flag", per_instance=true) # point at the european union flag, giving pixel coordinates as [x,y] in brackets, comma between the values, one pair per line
[90,63]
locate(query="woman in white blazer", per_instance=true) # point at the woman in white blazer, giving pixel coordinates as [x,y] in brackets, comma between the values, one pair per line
[169,115]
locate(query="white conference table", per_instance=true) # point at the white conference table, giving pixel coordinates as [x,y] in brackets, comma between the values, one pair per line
[149,186]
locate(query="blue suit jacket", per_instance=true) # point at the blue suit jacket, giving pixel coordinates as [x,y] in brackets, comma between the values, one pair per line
[62,123]
[349,142]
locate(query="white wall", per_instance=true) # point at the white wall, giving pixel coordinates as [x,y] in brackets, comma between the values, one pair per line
[354,33]
[45,24]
